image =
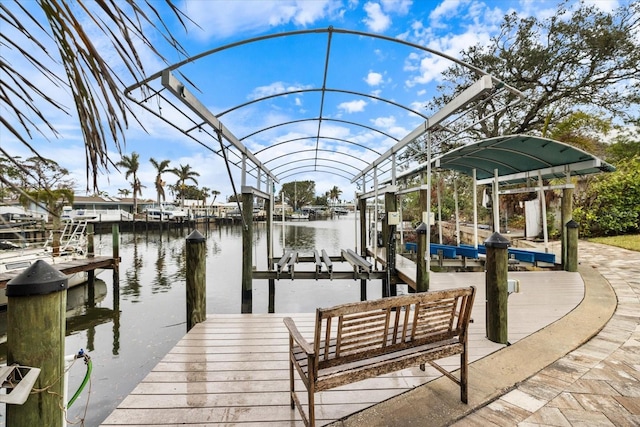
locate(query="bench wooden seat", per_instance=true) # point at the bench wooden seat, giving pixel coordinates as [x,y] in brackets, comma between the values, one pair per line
[356,341]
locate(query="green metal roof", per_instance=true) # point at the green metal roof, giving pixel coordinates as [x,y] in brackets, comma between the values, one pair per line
[521,157]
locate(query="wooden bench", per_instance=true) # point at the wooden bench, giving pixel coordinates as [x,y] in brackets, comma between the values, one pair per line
[356,341]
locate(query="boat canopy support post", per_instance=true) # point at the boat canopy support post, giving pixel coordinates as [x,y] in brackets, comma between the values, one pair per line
[248,195]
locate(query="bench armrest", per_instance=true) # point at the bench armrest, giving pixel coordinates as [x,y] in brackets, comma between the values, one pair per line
[297,336]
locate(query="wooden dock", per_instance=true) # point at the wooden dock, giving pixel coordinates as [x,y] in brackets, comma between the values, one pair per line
[233,369]
[70,267]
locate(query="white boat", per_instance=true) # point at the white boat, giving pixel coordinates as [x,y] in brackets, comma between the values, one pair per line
[73,245]
[166,212]
[298,216]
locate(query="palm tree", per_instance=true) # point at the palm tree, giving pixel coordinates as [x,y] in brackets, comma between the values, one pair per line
[205,192]
[132,164]
[334,194]
[214,193]
[124,192]
[161,167]
[102,107]
[184,173]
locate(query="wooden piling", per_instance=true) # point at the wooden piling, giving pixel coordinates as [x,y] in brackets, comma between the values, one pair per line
[572,246]
[196,282]
[35,337]
[497,291]
[247,253]
[115,239]
[566,215]
[362,207]
[388,237]
[422,275]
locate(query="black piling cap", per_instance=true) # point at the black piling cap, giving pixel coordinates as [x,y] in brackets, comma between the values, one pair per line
[498,241]
[572,224]
[195,237]
[422,228]
[39,278]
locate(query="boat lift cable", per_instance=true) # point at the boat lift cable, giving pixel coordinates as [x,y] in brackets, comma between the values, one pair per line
[87,361]
[233,185]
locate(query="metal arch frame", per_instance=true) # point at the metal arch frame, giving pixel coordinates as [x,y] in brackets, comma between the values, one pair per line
[316,171]
[316,149]
[273,169]
[179,91]
[312,150]
[324,119]
[322,90]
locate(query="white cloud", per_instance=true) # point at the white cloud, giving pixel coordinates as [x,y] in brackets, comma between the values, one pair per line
[352,106]
[401,7]
[376,19]
[373,79]
[274,89]
[384,122]
[224,18]
[445,10]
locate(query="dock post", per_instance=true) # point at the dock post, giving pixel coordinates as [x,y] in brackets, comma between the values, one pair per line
[497,290]
[268,208]
[115,239]
[91,274]
[35,337]
[566,215]
[196,279]
[247,253]
[571,263]
[422,275]
[362,206]
[388,236]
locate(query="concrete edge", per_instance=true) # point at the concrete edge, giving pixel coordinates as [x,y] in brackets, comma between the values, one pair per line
[499,372]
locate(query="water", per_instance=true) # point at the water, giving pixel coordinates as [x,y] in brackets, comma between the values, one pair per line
[127,337]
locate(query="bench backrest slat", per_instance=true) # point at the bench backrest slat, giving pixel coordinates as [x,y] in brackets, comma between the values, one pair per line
[357,331]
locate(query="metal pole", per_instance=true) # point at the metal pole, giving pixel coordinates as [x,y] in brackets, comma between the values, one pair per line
[475,209]
[543,206]
[427,253]
[496,208]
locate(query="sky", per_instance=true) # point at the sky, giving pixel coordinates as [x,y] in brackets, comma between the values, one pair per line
[237,76]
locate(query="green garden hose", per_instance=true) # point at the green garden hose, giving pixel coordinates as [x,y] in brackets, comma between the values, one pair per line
[87,375]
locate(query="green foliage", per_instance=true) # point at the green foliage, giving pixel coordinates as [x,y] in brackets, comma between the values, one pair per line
[625,146]
[579,57]
[611,203]
[298,194]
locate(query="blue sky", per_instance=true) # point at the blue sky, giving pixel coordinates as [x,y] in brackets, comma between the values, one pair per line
[238,75]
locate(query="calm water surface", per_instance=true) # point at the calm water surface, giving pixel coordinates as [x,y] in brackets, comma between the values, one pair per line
[127,336]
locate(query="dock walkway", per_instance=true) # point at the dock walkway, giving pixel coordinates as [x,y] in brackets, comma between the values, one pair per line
[233,369]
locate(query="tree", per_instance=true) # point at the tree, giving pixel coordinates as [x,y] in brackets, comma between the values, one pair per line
[132,164]
[582,59]
[80,68]
[214,193]
[184,174]
[334,194]
[625,147]
[298,193]
[610,205]
[124,192]
[161,167]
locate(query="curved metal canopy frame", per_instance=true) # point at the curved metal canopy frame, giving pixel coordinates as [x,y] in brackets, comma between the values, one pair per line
[166,94]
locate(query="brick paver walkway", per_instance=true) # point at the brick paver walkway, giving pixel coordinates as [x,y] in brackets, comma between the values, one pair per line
[597,384]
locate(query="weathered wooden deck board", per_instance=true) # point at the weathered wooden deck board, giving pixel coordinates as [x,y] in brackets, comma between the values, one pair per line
[233,369]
